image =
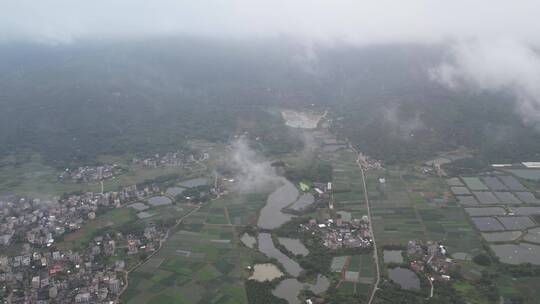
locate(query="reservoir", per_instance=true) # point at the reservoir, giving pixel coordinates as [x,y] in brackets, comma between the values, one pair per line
[271,216]
[405,278]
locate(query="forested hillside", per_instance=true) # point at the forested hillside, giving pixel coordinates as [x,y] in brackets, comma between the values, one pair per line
[73,102]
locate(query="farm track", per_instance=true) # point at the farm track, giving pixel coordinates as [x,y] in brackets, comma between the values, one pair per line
[375,254]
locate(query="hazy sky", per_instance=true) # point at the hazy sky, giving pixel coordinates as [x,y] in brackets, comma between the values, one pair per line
[494,43]
[57,21]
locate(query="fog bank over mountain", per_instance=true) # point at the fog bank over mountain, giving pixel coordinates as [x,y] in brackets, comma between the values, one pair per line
[492,45]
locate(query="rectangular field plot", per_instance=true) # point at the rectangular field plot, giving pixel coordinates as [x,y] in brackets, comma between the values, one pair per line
[526,210]
[533,236]
[396,225]
[460,190]
[517,253]
[485,211]
[512,183]
[527,198]
[467,200]
[503,236]
[487,224]
[474,183]
[367,267]
[454,181]
[354,263]
[338,263]
[486,198]
[516,222]
[507,198]
[494,183]
[347,288]
[531,174]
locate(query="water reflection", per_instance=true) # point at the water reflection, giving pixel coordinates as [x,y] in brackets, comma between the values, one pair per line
[271,216]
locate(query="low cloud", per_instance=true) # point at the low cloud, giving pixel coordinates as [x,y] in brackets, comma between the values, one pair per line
[254,172]
[400,126]
[502,66]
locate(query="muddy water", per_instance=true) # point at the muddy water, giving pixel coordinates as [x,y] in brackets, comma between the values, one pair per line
[405,278]
[271,216]
[265,272]
[266,246]
[303,202]
[294,246]
[289,289]
[248,240]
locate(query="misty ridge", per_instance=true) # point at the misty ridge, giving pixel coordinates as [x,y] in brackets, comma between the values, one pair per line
[86,79]
[154,95]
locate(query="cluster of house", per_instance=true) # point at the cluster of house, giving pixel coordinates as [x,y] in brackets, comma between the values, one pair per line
[172,159]
[40,222]
[369,163]
[341,232]
[430,255]
[91,173]
[38,272]
[51,275]
[62,276]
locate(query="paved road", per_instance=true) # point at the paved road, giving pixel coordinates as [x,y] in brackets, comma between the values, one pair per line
[375,254]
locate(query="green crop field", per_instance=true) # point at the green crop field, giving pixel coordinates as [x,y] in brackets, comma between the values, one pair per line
[189,264]
[204,263]
[402,213]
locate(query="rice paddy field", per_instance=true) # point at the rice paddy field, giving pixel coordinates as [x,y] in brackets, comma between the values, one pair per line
[204,261]
[358,273]
[347,183]
[403,212]
[204,266]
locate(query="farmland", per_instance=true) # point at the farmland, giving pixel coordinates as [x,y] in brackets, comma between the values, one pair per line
[504,211]
[193,266]
[417,207]
[203,261]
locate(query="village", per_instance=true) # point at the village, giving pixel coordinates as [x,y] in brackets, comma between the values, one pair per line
[88,174]
[429,259]
[172,159]
[41,269]
[341,232]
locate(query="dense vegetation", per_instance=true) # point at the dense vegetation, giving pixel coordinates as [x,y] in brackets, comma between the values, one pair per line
[261,293]
[315,171]
[73,102]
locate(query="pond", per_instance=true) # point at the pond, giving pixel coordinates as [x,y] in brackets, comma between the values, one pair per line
[265,272]
[517,253]
[174,191]
[294,246]
[303,202]
[405,278]
[289,289]
[266,246]
[271,216]
[195,182]
[248,240]
[533,174]
[159,201]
